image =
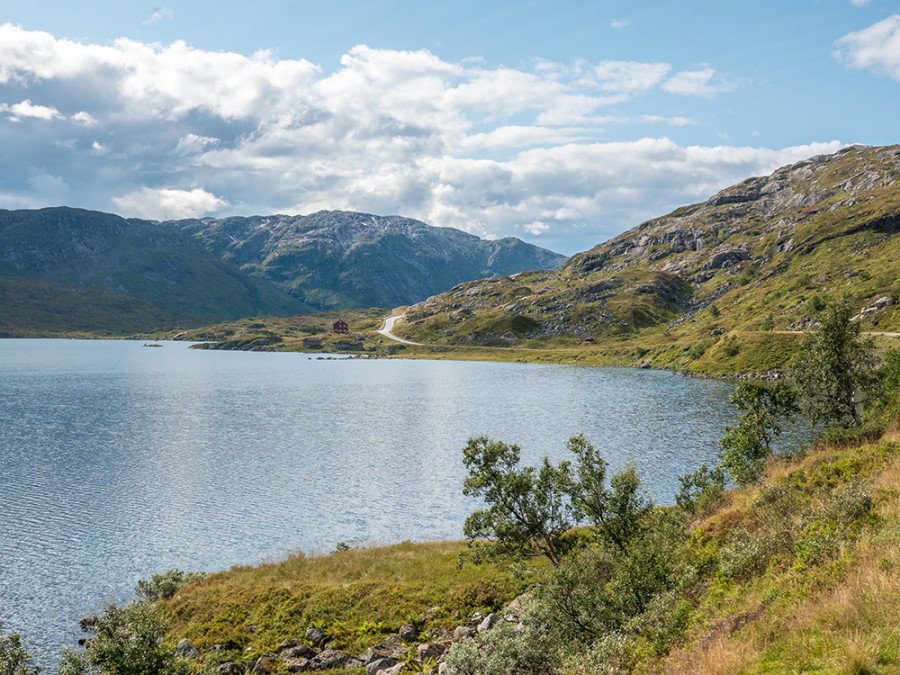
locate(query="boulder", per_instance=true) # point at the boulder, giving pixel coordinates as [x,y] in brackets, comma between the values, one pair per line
[488,622]
[185,650]
[408,632]
[393,670]
[392,645]
[300,651]
[332,659]
[431,650]
[295,665]
[317,637]
[380,665]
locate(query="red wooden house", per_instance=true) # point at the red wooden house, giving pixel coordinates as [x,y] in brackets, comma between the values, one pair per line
[340,326]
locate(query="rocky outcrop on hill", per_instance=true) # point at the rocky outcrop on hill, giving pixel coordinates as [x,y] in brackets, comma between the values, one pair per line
[762,248]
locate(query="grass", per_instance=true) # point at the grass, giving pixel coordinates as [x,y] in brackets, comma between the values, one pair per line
[360,595]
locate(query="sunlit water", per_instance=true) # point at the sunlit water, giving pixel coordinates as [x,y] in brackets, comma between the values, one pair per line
[119,461]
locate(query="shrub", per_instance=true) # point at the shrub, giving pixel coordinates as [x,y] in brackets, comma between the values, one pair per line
[164,586]
[14,656]
[126,640]
[700,490]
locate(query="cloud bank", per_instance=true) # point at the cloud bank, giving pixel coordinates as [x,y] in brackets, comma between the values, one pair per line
[170,131]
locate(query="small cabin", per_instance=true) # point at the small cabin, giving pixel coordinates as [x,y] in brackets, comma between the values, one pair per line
[341,327]
[312,343]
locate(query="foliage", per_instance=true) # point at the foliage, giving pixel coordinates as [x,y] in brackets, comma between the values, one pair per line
[165,585]
[746,446]
[128,640]
[701,489]
[834,370]
[528,512]
[14,656]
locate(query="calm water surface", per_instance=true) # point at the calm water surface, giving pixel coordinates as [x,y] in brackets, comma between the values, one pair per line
[119,461]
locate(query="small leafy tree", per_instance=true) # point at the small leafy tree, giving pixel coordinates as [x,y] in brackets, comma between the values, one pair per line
[746,446]
[618,511]
[530,510]
[14,656]
[834,370]
[527,509]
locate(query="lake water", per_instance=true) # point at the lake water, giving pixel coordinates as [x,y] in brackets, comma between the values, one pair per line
[119,461]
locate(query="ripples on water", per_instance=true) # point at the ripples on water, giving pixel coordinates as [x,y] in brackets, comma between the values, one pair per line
[119,462]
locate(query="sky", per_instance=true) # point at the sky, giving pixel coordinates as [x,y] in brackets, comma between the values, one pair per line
[561,123]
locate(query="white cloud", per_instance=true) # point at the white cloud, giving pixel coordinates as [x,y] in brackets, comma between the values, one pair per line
[84,119]
[876,47]
[619,23]
[696,83]
[536,228]
[138,127]
[192,144]
[859,3]
[27,109]
[168,204]
[159,14]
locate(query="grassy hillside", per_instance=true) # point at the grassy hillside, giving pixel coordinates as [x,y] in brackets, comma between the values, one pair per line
[737,274]
[68,270]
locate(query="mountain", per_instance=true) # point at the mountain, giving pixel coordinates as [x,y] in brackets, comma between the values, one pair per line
[763,255]
[64,270]
[339,259]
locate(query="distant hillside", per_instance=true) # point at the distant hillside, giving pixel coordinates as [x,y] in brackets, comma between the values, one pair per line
[338,259]
[70,270]
[762,255]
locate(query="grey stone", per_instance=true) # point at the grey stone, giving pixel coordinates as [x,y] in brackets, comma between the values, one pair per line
[408,632]
[186,650]
[489,622]
[380,665]
[317,637]
[300,651]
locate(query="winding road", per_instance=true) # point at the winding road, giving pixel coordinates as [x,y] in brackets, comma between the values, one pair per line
[389,324]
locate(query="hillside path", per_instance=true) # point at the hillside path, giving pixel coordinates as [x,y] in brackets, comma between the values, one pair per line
[389,324]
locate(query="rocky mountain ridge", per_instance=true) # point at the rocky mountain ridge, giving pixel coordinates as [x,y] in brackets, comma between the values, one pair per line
[340,259]
[759,251]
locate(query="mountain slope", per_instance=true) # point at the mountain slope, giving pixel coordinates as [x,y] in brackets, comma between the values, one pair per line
[762,255]
[65,269]
[338,259]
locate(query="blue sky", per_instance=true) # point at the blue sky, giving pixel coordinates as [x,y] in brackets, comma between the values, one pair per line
[562,123]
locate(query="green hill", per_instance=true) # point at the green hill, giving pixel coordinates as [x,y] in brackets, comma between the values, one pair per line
[69,270]
[747,267]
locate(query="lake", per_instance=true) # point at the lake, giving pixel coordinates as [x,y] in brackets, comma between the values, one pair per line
[119,461]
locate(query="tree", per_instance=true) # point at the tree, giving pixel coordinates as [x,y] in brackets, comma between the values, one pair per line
[530,510]
[527,509]
[746,446]
[834,370]
[14,656]
[617,512]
